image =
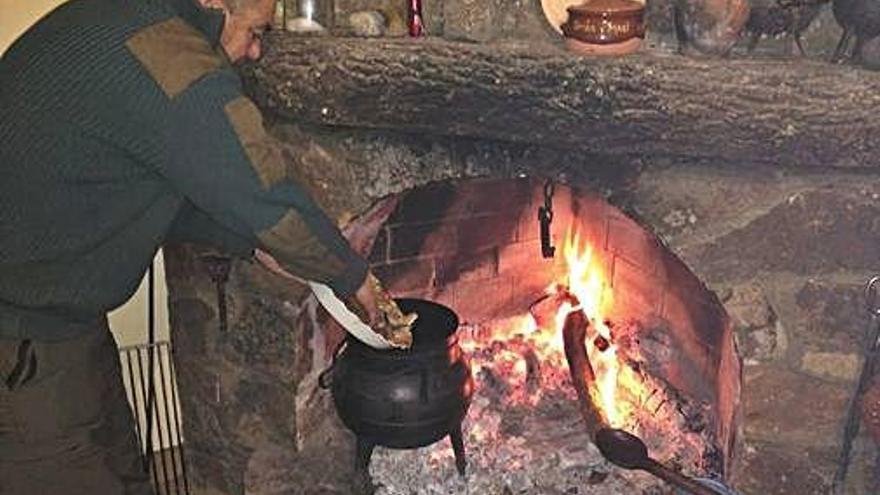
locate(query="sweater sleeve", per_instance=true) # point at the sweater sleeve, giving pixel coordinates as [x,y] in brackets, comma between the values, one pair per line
[194,226]
[220,157]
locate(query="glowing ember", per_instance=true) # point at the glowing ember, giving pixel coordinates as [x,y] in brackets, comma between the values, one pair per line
[520,368]
[525,356]
[524,344]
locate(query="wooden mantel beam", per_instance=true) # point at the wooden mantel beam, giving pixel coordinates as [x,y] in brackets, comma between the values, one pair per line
[793,113]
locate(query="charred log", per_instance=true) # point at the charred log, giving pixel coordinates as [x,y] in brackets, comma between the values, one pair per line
[794,113]
[574,334]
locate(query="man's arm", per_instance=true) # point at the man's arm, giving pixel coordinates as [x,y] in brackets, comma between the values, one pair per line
[214,150]
[221,158]
[197,227]
[230,168]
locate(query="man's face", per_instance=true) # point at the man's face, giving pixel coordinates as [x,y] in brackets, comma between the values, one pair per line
[244,28]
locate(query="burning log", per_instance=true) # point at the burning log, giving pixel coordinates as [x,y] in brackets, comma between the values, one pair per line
[574,334]
[618,446]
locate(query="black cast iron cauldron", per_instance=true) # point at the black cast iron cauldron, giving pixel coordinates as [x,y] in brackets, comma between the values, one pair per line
[408,398]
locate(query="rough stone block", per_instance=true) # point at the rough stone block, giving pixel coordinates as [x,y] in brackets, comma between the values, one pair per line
[767,468]
[762,344]
[194,317]
[492,20]
[760,334]
[817,231]
[367,23]
[748,307]
[793,409]
[832,365]
[833,314]
[394,12]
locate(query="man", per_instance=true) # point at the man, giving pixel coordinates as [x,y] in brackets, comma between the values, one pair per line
[123,125]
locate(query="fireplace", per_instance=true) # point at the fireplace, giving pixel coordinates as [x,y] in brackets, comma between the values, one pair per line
[475,246]
[256,418]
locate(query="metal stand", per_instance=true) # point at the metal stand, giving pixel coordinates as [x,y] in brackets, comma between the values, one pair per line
[458,447]
[362,481]
[364,451]
[869,369]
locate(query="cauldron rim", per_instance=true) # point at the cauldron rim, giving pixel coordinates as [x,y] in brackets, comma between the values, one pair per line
[434,329]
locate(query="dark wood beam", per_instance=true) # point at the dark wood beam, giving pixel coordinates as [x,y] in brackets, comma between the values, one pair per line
[791,113]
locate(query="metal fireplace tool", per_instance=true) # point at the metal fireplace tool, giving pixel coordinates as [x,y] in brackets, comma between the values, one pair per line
[869,370]
[151,389]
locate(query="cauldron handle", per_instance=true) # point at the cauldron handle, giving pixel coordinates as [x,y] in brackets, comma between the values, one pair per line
[325,379]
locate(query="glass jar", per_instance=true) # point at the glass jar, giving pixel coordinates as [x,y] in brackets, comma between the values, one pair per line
[308,16]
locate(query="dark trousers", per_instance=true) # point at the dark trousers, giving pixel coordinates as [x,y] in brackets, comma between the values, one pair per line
[65,424]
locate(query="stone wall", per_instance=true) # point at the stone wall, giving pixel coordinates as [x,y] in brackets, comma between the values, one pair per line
[787,252]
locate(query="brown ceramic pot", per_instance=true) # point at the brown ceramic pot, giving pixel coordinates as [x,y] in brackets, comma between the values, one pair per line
[605,27]
[604,22]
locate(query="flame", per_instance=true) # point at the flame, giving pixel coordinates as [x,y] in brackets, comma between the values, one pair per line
[519,362]
[509,351]
[587,280]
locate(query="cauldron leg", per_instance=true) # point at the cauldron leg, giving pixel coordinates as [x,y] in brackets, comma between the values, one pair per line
[363,453]
[458,448]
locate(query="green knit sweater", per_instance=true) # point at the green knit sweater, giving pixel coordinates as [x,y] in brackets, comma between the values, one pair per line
[122,124]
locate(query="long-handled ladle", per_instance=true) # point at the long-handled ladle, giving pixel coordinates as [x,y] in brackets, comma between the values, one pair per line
[629,452]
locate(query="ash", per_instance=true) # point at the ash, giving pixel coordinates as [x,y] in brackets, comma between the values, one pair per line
[523,434]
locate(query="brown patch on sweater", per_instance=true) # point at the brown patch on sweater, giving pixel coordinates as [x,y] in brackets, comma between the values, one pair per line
[175,54]
[293,243]
[263,151]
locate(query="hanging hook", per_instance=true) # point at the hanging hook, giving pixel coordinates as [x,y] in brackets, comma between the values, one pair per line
[872,296]
[218,268]
[545,218]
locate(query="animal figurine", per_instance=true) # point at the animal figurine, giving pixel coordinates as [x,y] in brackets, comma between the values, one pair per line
[709,27]
[782,17]
[859,18]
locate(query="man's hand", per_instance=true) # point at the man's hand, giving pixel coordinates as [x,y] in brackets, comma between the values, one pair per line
[373,304]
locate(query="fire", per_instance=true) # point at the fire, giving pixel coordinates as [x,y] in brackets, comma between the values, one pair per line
[526,357]
[588,282]
[519,366]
